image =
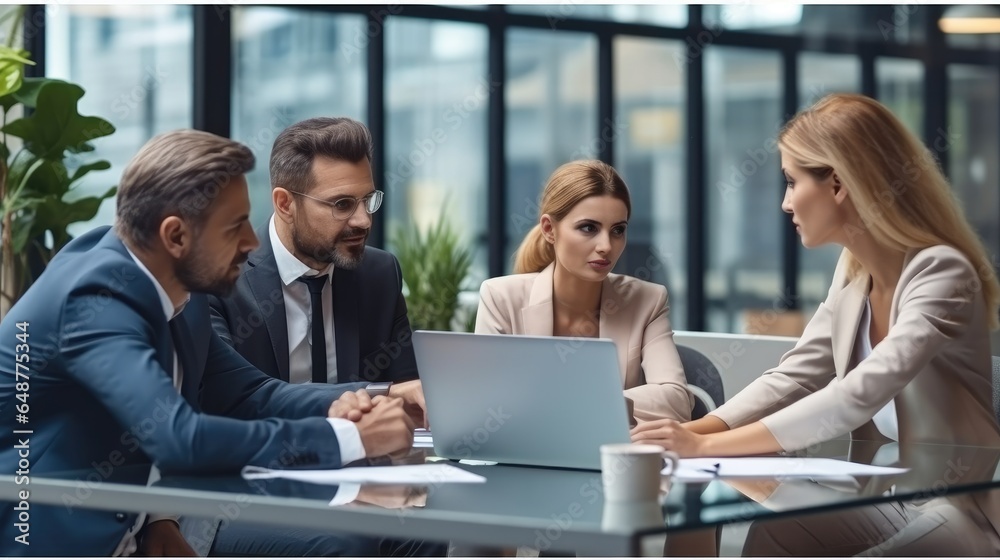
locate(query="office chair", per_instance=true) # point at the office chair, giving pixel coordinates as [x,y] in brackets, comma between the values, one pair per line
[703,379]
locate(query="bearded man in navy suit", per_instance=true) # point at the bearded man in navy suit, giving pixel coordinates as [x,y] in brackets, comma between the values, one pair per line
[125,366]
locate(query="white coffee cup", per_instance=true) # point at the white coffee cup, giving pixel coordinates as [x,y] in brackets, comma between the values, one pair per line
[631,472]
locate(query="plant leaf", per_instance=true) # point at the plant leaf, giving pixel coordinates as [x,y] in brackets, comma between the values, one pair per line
[21,230]
[99,165]
[56,126]
[434,264]
[12,63]
[28,94]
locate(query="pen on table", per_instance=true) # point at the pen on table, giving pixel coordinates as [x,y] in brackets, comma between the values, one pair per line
[713,471]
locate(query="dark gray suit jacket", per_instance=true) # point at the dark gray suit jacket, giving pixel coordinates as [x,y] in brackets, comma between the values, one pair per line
[373,336]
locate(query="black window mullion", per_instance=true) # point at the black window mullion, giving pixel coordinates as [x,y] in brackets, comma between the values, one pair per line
[33,33]
[935,86]
[869,85]
[376,120]
[789,238]
[605,97]
[496,144]
[696,187]
[213,69]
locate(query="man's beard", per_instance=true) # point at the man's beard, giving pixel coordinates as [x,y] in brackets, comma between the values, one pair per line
[195,272]
[324,253]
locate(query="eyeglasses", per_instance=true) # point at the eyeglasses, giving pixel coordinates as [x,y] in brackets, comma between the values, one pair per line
[344,208]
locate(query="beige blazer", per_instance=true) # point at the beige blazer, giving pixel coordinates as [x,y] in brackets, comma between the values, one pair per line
[633,315]
[935,364]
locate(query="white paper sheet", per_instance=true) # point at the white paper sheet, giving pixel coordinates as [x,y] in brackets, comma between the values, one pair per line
[707,468]
[433,473]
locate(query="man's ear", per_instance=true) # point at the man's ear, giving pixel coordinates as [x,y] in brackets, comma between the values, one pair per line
[175,234]
[548,228]
[282,200]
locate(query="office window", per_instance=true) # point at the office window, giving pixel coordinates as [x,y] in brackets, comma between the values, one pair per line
[134,62]
[304,78]
[437,102]
[649,154]
[743,116]
[971,143]
[819,75]
[551,105]
[900,85]
[674,15]
[901,24]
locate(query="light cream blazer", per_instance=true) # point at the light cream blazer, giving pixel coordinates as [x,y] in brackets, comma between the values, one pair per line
[935,364]
[633,315]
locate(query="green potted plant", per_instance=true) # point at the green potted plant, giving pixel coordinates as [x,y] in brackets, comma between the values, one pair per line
[42,157]
[435,264]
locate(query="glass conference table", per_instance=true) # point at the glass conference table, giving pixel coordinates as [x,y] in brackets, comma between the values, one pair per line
[547,509]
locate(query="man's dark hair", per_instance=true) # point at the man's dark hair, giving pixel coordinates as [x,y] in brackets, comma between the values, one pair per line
[177,173]
[297,146]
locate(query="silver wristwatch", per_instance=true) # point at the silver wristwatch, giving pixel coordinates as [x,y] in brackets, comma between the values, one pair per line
[376,389]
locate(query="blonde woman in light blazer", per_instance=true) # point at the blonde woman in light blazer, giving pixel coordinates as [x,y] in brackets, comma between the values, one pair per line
[898,350]
[564,287]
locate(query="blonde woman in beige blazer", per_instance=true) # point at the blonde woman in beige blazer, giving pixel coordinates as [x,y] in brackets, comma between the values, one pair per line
[565,288]
[898,350]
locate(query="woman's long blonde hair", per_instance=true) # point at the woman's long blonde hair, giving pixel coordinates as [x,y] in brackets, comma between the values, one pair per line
[567,186]
[894,182]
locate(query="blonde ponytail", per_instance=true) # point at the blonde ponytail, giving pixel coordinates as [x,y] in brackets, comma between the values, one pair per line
[535,252]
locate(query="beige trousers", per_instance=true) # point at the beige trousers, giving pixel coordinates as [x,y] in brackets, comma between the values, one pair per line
[935,528]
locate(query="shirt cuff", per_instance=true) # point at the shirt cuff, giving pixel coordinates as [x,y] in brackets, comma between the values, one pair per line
[347,492]
[349,439]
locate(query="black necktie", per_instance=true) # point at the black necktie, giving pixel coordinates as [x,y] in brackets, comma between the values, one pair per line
[315,284]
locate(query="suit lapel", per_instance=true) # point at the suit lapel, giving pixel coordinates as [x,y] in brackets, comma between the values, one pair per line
[613,324]
[264,280]
[536,316]
[846,319]
[191,380]
[346,323]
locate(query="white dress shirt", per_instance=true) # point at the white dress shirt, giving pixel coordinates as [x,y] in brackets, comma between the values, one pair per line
[298,313]
[885,419]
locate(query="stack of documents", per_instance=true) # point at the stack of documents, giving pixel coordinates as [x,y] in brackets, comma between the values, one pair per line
[708,468]
[431,473]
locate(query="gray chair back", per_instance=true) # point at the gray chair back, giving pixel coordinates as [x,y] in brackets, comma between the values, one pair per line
[996,387]
[703,380]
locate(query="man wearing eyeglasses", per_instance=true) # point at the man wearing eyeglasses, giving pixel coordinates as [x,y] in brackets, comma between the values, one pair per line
[313,304]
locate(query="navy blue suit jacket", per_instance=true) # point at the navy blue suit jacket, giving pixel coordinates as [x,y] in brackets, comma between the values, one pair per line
[372,331]
[100,395]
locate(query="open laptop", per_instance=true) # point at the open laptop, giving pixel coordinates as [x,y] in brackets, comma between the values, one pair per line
[528,400]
